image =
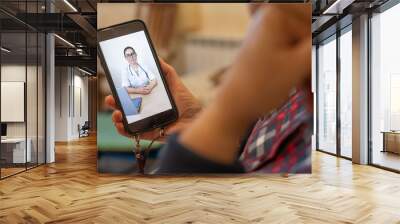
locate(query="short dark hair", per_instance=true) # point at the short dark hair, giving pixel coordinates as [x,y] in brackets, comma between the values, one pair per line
[129,47]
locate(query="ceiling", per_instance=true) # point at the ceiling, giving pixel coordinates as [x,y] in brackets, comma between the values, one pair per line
[332,15]
[72,20]
[76,22]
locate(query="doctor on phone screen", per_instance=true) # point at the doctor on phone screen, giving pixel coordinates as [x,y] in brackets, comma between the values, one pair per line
[135,78]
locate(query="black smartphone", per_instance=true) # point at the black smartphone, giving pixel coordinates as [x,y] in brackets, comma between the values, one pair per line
[133,72]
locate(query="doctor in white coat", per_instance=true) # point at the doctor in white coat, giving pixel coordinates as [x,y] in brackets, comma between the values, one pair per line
[135,78]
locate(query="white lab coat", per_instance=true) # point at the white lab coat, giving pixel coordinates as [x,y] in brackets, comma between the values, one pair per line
[136,79]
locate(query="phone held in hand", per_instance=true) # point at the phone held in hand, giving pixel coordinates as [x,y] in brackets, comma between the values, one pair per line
[135,77]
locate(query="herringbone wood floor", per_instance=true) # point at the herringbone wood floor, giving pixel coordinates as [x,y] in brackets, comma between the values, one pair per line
[71,191]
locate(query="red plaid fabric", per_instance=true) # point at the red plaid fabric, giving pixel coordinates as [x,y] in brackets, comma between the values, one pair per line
[281,141]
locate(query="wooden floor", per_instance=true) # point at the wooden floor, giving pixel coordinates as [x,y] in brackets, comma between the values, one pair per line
[10,171]
[71,191]
[5,172]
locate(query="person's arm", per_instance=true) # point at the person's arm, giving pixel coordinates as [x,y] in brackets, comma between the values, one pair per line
[152,80]
[138,90]
[274,59]
[175,158]
[152,84]
[127,84]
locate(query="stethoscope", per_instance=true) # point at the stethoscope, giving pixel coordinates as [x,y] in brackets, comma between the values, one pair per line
[137,73]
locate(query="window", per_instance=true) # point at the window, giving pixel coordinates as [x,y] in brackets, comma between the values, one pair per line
[346,92]
[327,95]
[385,89]
[314,91]
[22,75]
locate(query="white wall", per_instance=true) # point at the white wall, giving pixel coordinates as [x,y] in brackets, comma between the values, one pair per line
[12,73]
[80,83]
[33,127]
[68,83]
[62,81]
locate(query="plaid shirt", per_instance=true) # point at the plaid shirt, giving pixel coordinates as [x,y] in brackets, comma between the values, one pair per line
[281,141]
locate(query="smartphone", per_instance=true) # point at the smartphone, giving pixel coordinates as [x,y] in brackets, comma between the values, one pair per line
[133,72]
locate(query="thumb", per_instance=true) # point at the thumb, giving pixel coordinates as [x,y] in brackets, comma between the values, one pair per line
[169,72]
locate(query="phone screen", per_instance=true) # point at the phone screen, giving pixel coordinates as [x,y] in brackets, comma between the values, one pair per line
[135,75]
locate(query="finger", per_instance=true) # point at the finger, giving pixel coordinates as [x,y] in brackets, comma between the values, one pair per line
[168,70]
[163,63]
[116,116]
[164,67]
[109,101]
[120,129]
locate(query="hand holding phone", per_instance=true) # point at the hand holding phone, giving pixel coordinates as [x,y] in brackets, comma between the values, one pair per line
[131,64]
[187,105]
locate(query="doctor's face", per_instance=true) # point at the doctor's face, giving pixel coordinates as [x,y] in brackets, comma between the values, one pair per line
[130,57]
